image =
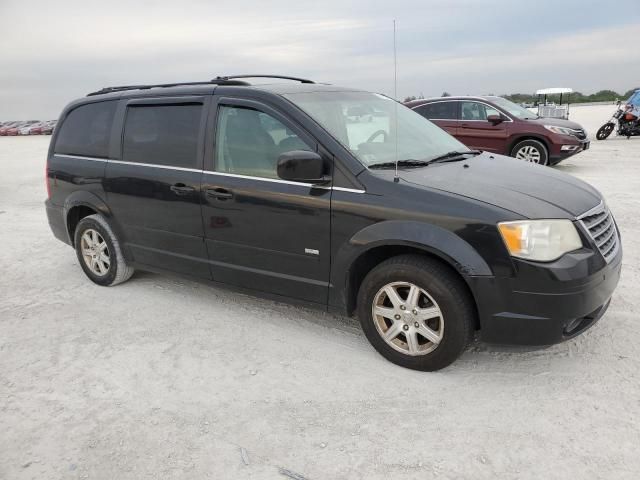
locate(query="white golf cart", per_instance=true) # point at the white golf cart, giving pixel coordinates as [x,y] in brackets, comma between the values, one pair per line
[551,109]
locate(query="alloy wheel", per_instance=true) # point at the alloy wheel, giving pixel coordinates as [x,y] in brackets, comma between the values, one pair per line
[529,153]
[407,318]
[95,252]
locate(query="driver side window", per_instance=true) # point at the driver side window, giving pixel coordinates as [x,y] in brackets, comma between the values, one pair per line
[477,111]
[249,142]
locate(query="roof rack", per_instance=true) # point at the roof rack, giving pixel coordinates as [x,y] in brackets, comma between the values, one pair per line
[219,81]
[282,77]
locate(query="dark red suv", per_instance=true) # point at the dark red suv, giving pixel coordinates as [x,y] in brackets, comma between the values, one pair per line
[494,124]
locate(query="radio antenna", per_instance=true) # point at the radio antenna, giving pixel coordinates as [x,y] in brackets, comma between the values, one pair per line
[395,96]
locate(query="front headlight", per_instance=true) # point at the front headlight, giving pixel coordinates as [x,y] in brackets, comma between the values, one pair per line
[561,130]
[540,240]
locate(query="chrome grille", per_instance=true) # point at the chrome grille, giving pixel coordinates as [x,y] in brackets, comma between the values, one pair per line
[598,223]
[581,134]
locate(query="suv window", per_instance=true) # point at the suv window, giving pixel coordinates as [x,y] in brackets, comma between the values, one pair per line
[248,142]
[477,111]
[86,130]
[439,110]
[162,134]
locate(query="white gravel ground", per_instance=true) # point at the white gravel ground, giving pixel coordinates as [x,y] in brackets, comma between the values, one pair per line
[166,378]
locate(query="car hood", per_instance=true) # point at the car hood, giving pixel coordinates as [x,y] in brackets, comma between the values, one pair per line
[527,189]
[557,122]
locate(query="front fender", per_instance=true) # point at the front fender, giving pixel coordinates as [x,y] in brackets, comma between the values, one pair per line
[429,238]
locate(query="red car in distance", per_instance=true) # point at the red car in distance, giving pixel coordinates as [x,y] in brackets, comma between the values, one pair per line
[494,124]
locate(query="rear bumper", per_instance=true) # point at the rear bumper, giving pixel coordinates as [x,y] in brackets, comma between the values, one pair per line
[565,299]
[55,216]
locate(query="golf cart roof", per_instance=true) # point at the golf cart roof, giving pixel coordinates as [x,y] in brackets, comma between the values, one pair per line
[554,91]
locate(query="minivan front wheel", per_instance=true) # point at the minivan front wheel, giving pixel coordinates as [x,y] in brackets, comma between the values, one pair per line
[416,312]
[99,252]
[531,151]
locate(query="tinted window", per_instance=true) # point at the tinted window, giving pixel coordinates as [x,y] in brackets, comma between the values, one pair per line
[248,142]
[86,130]
[439,110]
[477,111]
[162,135]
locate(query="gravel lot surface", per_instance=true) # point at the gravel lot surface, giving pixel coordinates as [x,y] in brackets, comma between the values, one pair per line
[166,378]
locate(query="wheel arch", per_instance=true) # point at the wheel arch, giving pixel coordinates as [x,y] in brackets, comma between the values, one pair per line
[528,136]
[81,204]
[374,244]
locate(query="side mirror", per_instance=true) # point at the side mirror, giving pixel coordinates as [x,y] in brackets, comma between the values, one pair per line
[302,166]
[495,119]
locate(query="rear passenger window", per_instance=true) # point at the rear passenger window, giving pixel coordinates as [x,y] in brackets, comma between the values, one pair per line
[162,135]
[86,130]
[438,111]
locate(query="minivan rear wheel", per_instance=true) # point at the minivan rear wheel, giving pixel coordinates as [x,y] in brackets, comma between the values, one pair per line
[416,312]
[99,252]
[532,151]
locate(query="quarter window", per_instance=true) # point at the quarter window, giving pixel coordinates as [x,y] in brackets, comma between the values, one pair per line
[162,135]
[249,142]
[477,111]
[439,111]
[86,130]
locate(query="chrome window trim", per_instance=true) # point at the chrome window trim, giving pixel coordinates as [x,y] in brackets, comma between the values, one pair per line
[80,157]
[209,172]
[153,165]
[287,182]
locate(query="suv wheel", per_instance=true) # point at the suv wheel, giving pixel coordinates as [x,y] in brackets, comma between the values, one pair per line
[415,312]
[531,151]
[99,252]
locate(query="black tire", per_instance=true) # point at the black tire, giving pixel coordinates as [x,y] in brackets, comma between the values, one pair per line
[536,145]
[604,131]
[118,270]
[443,286]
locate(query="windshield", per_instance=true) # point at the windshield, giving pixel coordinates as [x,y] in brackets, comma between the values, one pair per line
[513,108]
[365,123]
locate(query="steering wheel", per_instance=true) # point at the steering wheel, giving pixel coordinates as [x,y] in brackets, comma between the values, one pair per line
[376,134]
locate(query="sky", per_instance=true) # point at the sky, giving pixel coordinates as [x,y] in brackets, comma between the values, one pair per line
[55,51]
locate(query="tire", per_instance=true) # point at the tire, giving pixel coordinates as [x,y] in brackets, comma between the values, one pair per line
[443,301]
[101,244]
[532,151]
[604,131]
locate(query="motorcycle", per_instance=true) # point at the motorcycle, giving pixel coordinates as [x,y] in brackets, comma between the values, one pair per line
[627,120]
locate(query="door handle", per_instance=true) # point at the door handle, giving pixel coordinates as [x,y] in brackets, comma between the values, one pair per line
[464,125]
[181,189]
[219,193]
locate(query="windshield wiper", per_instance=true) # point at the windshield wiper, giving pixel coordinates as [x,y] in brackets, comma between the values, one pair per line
[411,162]
[453,156]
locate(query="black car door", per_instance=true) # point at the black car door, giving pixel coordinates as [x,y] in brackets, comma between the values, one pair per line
[153,189]
[261,232]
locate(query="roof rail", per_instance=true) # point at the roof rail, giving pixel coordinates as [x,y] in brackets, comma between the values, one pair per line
[218,81]
[282,77]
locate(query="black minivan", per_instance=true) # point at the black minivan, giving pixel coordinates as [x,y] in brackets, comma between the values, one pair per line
[280,190]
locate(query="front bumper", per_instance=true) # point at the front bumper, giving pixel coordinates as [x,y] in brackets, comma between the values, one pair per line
[559,152]
[546,303]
